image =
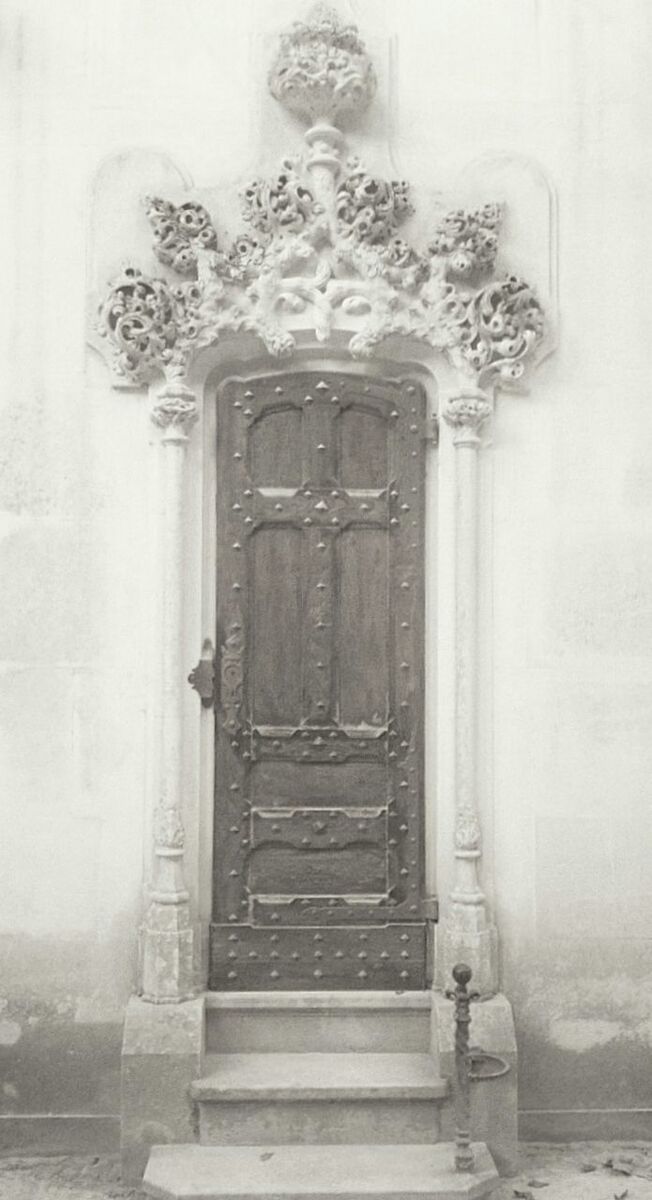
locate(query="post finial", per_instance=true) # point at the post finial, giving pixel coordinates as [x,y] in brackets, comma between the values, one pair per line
[462,974]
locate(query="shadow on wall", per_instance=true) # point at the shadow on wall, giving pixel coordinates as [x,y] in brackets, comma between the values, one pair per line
[61,1019]
[584,1029]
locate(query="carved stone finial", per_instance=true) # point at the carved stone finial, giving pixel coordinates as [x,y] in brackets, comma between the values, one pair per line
[322,71]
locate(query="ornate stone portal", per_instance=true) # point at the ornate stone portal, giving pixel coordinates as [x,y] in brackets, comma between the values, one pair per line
[321,251]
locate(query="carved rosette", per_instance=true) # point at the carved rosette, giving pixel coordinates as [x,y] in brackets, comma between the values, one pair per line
[322,71]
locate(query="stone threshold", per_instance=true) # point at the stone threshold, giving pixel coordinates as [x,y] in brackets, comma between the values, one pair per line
[319,1000]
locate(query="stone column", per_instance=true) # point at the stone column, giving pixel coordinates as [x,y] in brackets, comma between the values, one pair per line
[466,934]
[167,933]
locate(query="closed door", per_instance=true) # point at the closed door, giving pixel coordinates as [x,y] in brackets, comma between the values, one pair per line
[318,871]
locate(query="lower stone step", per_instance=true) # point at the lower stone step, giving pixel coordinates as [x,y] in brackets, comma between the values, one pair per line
[397,1172]
[251,1099]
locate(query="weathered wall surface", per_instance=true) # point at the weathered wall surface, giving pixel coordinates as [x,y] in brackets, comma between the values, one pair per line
[567,502]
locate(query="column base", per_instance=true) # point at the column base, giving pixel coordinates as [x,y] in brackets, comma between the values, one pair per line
[162,1053]
[494,1102]
[478,948]
[167,967]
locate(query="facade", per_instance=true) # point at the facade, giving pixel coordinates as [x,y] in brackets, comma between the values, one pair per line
[442,518]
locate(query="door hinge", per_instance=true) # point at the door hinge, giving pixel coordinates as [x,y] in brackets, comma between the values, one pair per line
[430,908]
[202,677]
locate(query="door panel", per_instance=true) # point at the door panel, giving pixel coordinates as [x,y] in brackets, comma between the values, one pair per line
[319,738]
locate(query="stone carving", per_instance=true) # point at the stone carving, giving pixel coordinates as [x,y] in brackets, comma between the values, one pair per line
[321,250]
[284,203]
[168,829]
[151,325]
[467,830]
[175,408]
[468,241]
[502,323]
[468,410]
[322,71]
[179,232]
[293,262]
[369,209]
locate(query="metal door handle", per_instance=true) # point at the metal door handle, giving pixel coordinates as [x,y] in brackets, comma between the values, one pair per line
[202,677]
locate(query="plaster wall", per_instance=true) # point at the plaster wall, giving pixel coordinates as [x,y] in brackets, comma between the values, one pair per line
[566,502]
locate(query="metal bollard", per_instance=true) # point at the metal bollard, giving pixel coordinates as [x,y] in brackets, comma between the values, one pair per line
[462,998]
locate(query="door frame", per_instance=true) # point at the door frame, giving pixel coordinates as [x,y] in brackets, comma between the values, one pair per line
[438,548]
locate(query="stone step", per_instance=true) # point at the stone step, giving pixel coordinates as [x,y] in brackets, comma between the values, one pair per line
[245,1099]
[326,1022]
[349,1172]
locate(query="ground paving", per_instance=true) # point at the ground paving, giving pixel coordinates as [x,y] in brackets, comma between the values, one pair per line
[578,1171]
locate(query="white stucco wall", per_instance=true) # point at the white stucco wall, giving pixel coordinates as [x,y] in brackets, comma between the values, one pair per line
[567,506]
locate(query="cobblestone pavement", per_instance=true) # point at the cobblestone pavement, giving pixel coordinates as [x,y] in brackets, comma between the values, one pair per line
[580,1171]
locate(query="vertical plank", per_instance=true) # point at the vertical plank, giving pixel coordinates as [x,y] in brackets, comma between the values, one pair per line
[277,612]
[363,637]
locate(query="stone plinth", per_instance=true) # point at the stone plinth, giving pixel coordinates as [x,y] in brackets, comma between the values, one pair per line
[162,1053]
[456,942]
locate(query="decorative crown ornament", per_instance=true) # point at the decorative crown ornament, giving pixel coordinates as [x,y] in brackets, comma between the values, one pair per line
[322,71]
[321,248]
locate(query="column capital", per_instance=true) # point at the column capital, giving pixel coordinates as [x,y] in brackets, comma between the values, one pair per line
[175,411]
[466,412]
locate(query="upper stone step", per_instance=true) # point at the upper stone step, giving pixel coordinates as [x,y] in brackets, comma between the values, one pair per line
[307,1077]
[326,1022]
[396,1172]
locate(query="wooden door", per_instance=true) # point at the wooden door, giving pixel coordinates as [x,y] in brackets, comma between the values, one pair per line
[319,717]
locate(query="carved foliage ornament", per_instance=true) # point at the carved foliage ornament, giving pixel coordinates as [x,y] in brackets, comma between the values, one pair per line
[323,71]
[322,257]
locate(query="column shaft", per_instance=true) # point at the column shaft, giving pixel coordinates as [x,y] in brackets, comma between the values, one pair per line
[466,934]
[167,949]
